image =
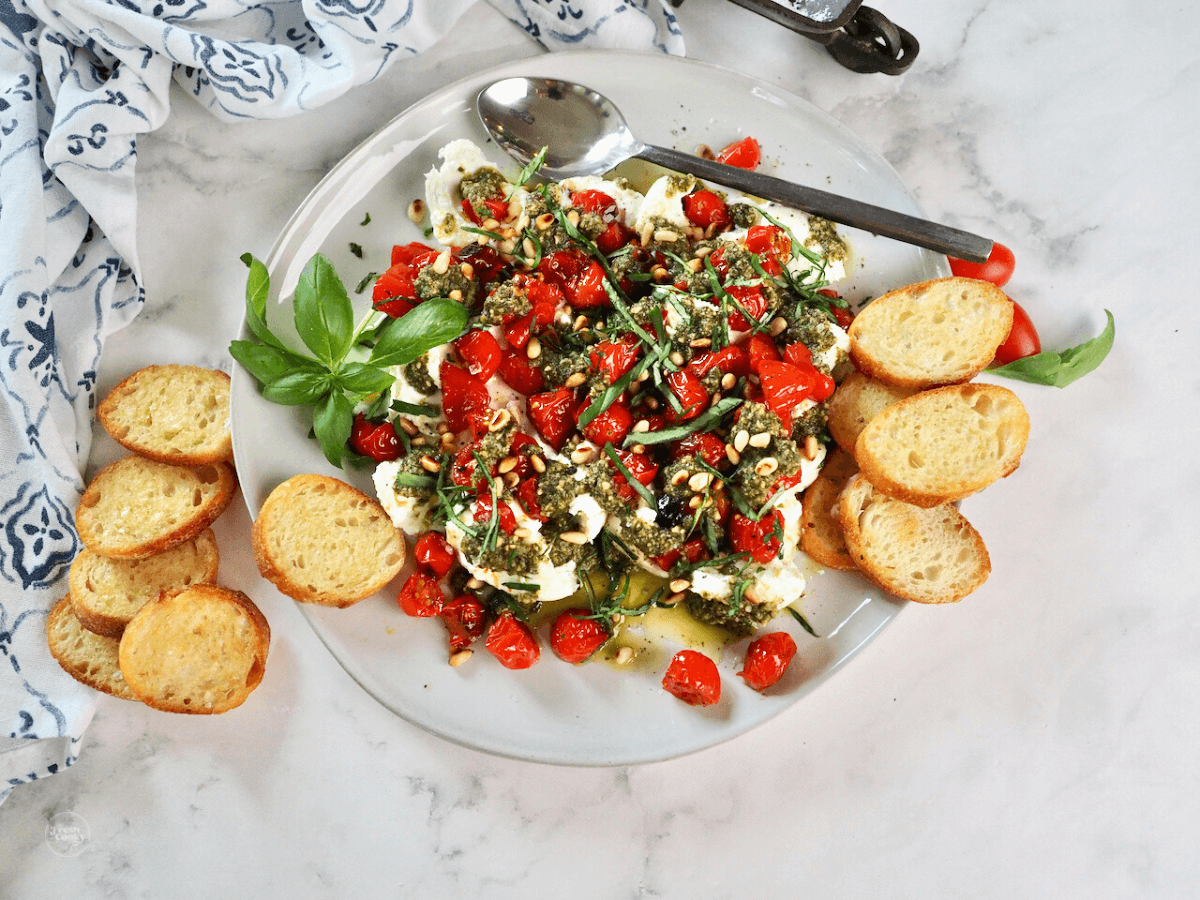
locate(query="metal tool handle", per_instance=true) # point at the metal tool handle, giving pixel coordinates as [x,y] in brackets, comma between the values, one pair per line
[843,210]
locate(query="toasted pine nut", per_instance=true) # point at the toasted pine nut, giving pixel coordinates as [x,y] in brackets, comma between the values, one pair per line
[624,655]
[676,357]
[679,584]
[544,221]
[573,216]
[639,449]
[468,270]
[680,477]
[674,599]
[700,343]
[500,420]
[419,441]
[416,211]
[441,265]
[695,502]
[740,440]
[523,534]
[575,380]
[514,208]
[580,323]
[529,249]
[728,381]
[778,326]
[766,465]
[429,464]
[574,537]
[534,348]
[507,464]
[512,479]
[539,464]
[699,482]
[732,455]
[811,447]
[647,233]
[640,426]
[455,294]
[666,236]
[584,453]
[489,224]
[696,264]
[760,440]
[458,657]
[409,427]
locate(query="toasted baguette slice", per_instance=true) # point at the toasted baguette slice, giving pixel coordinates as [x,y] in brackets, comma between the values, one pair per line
[173,414]
[859,399]
[86,657]
[924,555]
[137,507]
[820,534]
[319,540]
[942,445]
[930,334]
[106,592]
[201,650]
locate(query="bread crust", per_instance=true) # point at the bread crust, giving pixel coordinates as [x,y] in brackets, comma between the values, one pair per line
[820,534]
[171,413]
[943,445]
[199,651]
[320,540]
[924,555]
[89,658]
[930,334]
[138,507]
[857,400]
[106,592]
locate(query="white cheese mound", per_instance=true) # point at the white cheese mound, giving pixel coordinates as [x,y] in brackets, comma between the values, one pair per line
[554,582]
[628,201]
[404,391]
[664,201]
[460,158]
[411,515]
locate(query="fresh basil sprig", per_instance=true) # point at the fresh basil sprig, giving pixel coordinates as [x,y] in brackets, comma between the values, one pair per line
[329,380]
[1058,369]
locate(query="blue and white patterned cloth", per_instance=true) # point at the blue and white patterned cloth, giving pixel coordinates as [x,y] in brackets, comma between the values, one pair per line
[79,81]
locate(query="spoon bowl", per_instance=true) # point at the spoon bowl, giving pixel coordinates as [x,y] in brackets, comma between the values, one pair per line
[584,133]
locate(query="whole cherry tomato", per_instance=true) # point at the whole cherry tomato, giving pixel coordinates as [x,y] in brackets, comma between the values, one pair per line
[705,208]
[752,300]
[693,678]
[701,445]
[519,373]
[745,154]
[553,415]
[998,268]
[767,658]
[377,440]
[465,399]
[434,552]
[421,595]
[575,638]
[1022,340]
[731,360]
[512,643]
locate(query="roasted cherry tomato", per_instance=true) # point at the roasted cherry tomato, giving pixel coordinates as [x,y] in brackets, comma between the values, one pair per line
[395,291]
[745,154]
[512,643]
[767,658]
[760,539]
[559,267]
[702,444]
[520,373]
[693,678]
[464,472]
[587,289]
[481,509]
[434,552]
[614,237]
[576,638]
[731,360]
[704,208]
[751,298]
[692,397]
[771,244]
[610,427]
[640,466]
[997,269]
[527,496]
[786,385]
[841,314]
[465,400]
[421,594]
[377,440]
[760,349]
[615,358]
[1022,340]
[465,618]
[553,414]
[595,202]
[691,552]
[480,353]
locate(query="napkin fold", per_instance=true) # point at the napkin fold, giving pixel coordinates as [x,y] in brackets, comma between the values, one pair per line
[80,80]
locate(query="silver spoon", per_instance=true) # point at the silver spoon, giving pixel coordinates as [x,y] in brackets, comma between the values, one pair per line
[585,134]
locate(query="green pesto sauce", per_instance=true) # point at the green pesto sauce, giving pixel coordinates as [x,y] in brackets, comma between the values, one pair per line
[756,417]
[825,240]
[743,215]
[504,300]
[411,466]
[812,328]
[416,373]
[757,489]
[430,284]
[742,621]
[484,184]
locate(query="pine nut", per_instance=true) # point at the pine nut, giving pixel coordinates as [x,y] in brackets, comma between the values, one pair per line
[574,537]
[647,233]
[511,479]
[674,599]
[702,252]
[583,454]
[539,464]
[695,502]
[544,221]
[778,326]
[679,584]
[641,426]
[575,380]
[429,464]
[573,216]
[660,275]
[680,477]
[639,449]
[534,348]
[766,466]
[459,657]
[523,534]
[416,211]
[529,248]
[580,323]
[419,441]
[676,357]
[811,447]
[624,655]
[441,265]
[455,294]
[507,464]
[507,247]
[699,481]
[514,208]
[475,584]
[732,455]
[696,264]
[500,420]
[740,440]
[408,426]
[760,440]
[468,270]
[700,343]
[666,236]
[728,381]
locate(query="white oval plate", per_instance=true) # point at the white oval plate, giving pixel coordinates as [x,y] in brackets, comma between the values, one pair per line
[554,712]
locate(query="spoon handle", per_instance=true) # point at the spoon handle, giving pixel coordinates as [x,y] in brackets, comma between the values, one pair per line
[843,210]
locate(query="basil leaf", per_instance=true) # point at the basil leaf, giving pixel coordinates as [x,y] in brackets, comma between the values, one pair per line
[332,421]
[359,379]
[298,388]
[323,312]
[1058,369]
[265,362]
[430,325]
[258,286]
[703,422]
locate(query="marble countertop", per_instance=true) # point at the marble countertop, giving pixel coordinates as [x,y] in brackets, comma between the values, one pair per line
[1032,741]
